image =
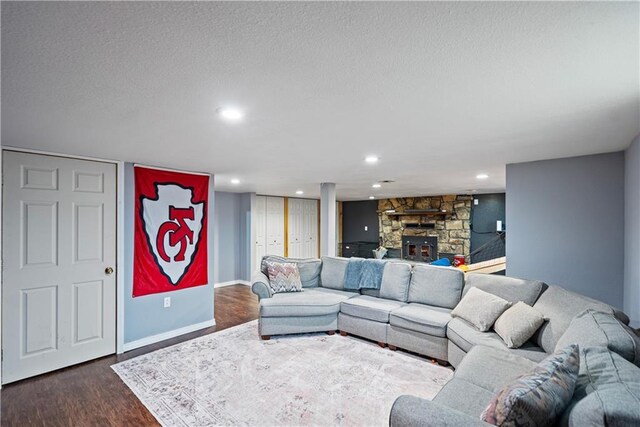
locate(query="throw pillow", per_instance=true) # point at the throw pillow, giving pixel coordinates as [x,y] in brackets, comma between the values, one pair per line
[516,325]
[538,398]
[480,308]
[283,277]
[594,328]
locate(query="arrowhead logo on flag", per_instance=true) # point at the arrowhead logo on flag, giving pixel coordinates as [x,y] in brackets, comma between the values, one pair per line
[172,224]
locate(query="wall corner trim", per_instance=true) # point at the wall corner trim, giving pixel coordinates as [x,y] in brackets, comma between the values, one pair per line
[167,335]
[232,282]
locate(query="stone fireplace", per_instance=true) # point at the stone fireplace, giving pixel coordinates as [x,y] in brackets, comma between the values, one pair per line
[444,218]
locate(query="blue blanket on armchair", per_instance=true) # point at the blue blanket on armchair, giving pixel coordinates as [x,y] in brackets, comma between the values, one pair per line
[363,274]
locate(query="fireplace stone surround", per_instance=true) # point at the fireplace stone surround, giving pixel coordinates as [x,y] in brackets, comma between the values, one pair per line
[452,228]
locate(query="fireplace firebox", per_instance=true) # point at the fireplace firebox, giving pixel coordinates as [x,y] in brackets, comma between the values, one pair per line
[420,249]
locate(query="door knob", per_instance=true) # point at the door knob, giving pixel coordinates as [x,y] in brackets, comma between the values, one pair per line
[108,270]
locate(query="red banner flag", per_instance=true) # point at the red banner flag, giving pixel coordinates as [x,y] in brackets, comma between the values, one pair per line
[170,249]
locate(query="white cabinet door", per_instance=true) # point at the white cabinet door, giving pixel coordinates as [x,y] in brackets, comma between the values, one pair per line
[312,229]
[260,223]
[294,231]
[275,226]
[59,249]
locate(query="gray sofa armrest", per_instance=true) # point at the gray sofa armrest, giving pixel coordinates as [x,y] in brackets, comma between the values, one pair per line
[414,411]
[260,285]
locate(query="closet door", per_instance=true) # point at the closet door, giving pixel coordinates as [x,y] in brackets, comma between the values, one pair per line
[311,230]
[275,226]
[260,223]
[294,230]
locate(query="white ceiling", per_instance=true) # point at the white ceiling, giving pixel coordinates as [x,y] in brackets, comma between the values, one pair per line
[440,91]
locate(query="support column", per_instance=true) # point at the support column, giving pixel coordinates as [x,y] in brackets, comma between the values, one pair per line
[328,219]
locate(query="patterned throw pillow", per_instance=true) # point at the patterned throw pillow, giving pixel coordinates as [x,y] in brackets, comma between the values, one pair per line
[538,398]
[283,277]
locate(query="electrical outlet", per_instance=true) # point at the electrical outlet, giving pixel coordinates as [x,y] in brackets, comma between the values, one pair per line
[498,225]
[366,228]
[167,302]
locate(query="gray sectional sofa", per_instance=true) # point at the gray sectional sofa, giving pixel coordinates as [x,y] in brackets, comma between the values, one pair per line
[412,310]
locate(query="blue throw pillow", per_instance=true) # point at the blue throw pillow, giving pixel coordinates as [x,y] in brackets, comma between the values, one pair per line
[442,262]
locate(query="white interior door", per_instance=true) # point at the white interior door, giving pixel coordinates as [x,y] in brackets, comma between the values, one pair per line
[311,229]
[275,226]
[58,298]
[294,232]
[260,223]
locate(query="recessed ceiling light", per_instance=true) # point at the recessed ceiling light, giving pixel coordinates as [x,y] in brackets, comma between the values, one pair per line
[371,159]
[482,176]
[376,185]
[231,114]
[299,192]
[371,197]
[235,181]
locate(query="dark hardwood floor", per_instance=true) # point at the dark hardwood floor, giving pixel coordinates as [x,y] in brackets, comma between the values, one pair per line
[91,394]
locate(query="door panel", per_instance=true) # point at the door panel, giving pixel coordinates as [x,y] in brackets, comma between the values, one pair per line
[260,223]
[275,226]
[87,310]
[87,232]
[40,178]
[39,242]
[59,223]
[39,320]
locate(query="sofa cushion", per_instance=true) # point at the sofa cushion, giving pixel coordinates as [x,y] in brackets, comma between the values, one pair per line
[480,308]
[422,318]
[595,328]
[607,391]
[395,281]
[309,302]
[492,368]
[509,288]
[538,398]
[559,307]
[437,286]
[371,308]
[347,294]
[283,277]
[463,396]
[466,337]
[516,325]
[332,274]
[309,268]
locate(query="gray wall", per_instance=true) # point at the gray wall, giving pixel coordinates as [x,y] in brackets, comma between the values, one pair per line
[145,316]
[355,215]
[565,220]
[632,233]
[232,234]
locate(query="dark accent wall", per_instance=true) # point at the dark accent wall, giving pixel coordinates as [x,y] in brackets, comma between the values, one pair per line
[565,224]
[357,215]
[490,208]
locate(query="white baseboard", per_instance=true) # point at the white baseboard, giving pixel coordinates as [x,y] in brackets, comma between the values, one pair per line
[166,335]
[231,283]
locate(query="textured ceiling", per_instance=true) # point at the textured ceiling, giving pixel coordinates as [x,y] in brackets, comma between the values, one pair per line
[440,91]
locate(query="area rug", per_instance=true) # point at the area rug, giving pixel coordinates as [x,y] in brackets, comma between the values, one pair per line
[233,378]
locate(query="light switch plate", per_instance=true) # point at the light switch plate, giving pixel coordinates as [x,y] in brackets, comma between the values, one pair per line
[475,202]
